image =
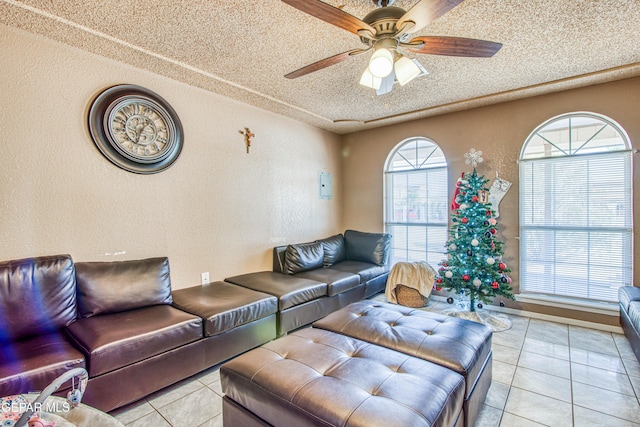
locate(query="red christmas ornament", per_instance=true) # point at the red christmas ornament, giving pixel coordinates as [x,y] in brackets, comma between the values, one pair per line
[439,280]
[438,288]
[495,285]
[488,213]
[465,220]
[508,279]
[445,264]
[493,231]
[465,277]
[474,199]
[502,266]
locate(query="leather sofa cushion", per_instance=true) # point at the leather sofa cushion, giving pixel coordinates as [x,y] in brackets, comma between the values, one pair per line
[303,257]
[365,270]
[316,377]
[626,294]
[334,250]
[290,290]
[111,287]
[367,247]
[224,306]
[37,296]
[32,364]
[634,314]
[112,341]
[457,344]
[337,281]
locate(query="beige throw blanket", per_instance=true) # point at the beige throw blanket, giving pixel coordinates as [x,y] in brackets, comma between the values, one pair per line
[417,275]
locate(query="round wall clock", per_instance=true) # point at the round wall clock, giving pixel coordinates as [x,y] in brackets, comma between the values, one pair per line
[135,129]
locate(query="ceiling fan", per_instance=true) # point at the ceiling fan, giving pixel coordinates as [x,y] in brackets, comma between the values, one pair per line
[386,29]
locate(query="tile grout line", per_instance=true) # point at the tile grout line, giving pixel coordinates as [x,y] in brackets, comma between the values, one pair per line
[573,406]
[520,350]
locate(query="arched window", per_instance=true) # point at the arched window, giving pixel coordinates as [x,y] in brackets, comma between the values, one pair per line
[416,207]
[576,210]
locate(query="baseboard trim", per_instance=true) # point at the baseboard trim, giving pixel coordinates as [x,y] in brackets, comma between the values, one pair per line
[547,317]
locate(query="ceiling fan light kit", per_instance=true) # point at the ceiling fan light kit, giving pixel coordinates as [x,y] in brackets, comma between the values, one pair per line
[406,69]
[385,30]
[381,62]
[369,80]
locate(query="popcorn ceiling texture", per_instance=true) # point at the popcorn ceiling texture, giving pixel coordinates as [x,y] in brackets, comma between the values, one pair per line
[242,49]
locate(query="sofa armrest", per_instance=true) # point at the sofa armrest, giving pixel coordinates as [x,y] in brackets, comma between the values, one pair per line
[626,294]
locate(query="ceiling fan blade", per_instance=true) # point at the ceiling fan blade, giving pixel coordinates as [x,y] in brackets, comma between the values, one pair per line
[324,63]
[454,46]
[331,14]
[426,11]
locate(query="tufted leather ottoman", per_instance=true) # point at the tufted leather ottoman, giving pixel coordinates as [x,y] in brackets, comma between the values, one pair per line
[314,377]
[460,345]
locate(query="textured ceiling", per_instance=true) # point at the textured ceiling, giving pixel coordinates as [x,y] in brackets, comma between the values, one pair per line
[242,49]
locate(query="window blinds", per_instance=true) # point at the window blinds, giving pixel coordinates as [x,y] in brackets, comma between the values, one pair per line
[417,214]
[576,225]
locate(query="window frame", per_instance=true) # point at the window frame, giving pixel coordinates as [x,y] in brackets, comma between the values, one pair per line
[625,231]
[420,167]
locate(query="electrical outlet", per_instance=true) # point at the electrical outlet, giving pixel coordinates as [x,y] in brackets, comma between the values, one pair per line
[205,278]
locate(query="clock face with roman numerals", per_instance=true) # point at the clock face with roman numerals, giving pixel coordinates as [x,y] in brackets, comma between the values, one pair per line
[140,129]
[135,129]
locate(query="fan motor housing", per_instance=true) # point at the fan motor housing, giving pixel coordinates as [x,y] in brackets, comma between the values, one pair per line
[383,3]
[383,20]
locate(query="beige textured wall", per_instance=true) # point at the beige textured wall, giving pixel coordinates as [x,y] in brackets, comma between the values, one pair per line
[499,131]
[216,209]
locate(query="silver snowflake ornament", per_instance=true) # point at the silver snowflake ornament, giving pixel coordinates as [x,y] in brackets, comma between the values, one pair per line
[473,157]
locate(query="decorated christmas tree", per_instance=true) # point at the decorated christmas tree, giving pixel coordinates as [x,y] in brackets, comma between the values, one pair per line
[474,267]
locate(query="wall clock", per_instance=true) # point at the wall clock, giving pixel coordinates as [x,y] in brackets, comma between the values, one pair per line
[135,129]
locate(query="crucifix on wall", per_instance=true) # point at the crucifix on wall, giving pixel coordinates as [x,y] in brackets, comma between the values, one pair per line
[247,137]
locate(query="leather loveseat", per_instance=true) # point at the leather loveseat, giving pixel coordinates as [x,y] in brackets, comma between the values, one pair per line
[118,320]
[316,278]
[629,297]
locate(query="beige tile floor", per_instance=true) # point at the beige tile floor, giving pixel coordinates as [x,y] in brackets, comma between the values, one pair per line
[544,374]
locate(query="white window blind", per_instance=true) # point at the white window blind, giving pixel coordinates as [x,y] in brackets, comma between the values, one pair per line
[576,219]
[416,211]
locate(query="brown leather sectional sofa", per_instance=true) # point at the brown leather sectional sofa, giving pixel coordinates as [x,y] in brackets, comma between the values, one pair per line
[124,325]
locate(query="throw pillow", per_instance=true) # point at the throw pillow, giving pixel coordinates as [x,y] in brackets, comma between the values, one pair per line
[303,257]
[334,250]
[367,247]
